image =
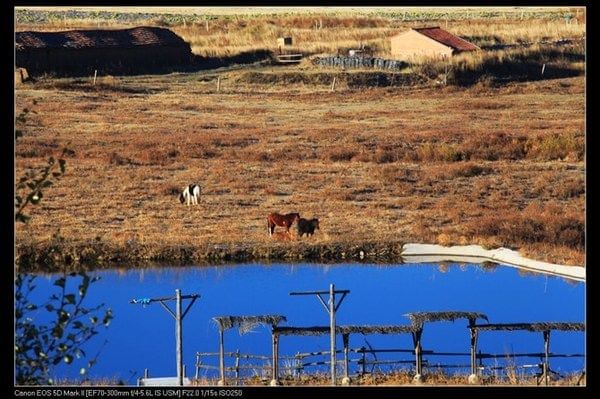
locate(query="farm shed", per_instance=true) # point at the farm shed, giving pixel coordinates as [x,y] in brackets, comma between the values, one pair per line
[141,49]
[428,42]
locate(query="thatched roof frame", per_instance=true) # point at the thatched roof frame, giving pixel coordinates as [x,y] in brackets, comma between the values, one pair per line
[366,330]
[419,318]
[246,324]
[324,330]
[534,327]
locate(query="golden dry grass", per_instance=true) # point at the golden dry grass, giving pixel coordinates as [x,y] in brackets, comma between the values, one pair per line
[403,378]
[319,30]
[371,164]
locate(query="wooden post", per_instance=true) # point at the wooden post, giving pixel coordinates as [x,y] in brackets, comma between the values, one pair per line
[331,308]
[206,25]
[218,84]
[445,74]
[543,69]
[345,339]
[237,365]
[95,75]
[178,315]
[333,84]
[179,337]
[222,355]
[197,366]
[275,365]
[363,370]
[418,357]
[546,356]
[145,374]
[332,327]
[473,351]
[298,364]
[474,377]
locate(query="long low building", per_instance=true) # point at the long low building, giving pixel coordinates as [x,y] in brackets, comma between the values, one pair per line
[140,49]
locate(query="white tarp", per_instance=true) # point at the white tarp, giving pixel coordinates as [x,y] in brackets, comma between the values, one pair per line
[416,253]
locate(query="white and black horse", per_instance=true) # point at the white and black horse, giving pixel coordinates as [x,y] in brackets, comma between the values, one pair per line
[190,194]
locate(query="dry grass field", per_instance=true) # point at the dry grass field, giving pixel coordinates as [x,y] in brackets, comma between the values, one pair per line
[489,165]
[498,163]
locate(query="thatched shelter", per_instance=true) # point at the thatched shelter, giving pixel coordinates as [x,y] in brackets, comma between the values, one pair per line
[136,50]
[244,324]
[419,319]
[345,331]
[544,327]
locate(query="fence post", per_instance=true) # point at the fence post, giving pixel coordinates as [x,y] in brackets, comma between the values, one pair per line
[473,378]
[546,356]
[346,380]
[298,367]
[237,365]
[197,366]
[221,356]
[218,84]
[333,84]
[95,75]
[363,370]
[274,380]
[418,378]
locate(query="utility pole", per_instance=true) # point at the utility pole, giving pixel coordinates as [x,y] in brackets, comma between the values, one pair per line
[331,307]
[178,315]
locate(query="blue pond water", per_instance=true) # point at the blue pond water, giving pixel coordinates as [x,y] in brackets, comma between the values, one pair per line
[144,336]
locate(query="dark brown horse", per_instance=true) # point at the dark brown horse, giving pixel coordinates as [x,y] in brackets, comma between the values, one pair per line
[307,226]
[276,219]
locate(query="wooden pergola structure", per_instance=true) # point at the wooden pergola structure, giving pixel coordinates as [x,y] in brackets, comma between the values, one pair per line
[345,331]
[419,319]
[544,327]
[245,324]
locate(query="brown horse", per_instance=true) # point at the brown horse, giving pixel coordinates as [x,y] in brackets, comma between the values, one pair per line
[275,219]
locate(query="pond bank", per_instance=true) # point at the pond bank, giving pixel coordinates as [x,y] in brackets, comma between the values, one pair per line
[62,256]
[55,257]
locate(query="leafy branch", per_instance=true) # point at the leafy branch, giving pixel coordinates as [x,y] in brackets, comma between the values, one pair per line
[38,345]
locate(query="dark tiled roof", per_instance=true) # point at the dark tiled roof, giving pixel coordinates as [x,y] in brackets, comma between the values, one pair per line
[80,39]
[446,38]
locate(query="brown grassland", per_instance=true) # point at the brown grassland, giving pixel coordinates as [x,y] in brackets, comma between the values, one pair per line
[497,165]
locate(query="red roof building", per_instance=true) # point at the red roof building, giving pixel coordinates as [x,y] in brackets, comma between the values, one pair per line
[428,42]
